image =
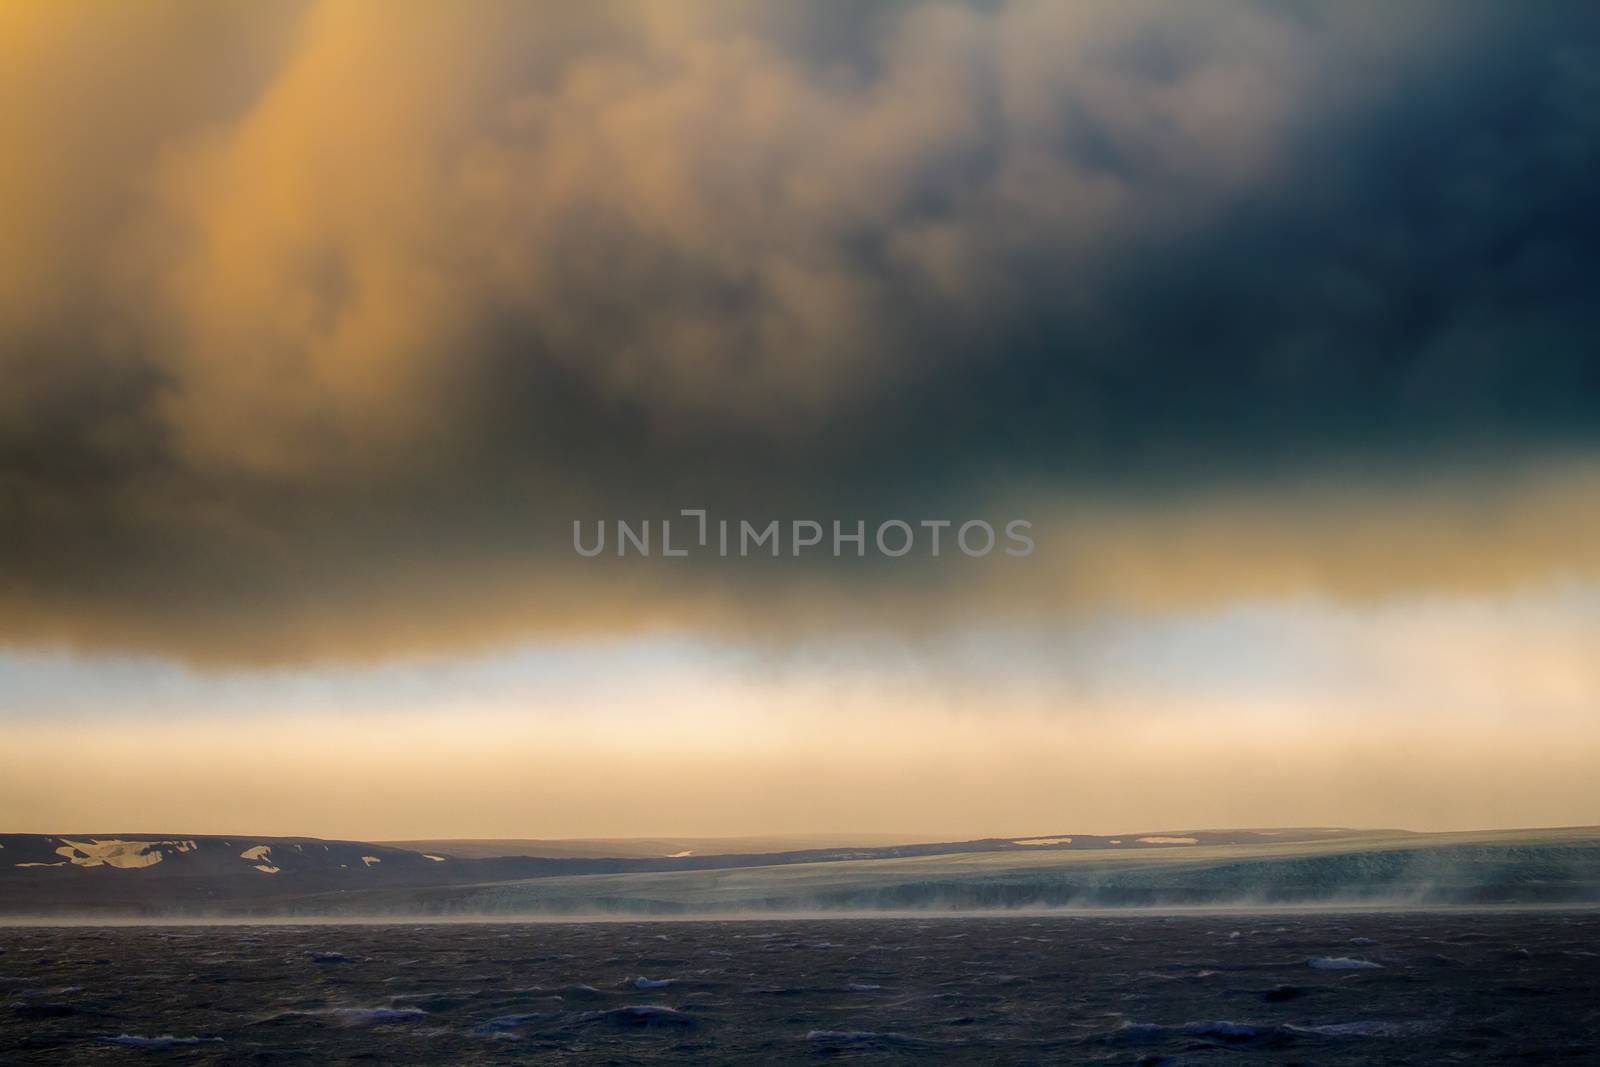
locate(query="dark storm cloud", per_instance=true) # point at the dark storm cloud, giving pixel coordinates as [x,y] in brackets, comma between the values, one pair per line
[318,347]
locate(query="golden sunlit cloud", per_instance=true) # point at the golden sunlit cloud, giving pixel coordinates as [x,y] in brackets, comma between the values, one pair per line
[321,325]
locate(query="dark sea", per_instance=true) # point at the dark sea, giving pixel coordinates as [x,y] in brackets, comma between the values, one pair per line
[1223,988]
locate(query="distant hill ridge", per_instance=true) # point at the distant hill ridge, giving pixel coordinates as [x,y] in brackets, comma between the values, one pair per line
[165,875]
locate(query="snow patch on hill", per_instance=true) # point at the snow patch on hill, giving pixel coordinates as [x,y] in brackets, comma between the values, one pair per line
[126,855]
[263,853]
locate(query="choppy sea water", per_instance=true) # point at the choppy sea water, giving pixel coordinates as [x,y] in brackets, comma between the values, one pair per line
[1355,988]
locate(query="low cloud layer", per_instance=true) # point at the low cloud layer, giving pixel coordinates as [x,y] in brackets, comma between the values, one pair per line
[320,323]
[1418,714]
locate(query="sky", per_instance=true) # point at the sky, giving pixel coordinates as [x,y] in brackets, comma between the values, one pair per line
[322,324]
